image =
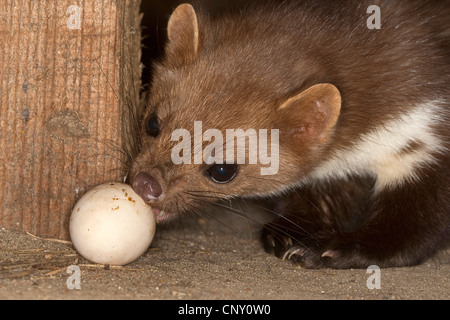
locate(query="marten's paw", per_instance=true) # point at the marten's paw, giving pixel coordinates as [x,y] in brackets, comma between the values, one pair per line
[313,251]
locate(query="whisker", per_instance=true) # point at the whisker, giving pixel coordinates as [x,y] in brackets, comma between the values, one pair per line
[296,226]
[282,230]
[181,221]
[246,216]
[241,214]
[205,216]
[204,195]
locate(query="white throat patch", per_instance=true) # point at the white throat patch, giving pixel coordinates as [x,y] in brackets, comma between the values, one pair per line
[386,152]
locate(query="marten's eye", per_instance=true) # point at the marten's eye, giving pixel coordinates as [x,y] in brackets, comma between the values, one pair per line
[222,173]
[152,126]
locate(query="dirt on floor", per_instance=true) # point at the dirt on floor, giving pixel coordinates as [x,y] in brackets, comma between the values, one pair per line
[201,258]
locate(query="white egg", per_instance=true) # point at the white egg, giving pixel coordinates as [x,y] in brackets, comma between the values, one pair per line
[111,224]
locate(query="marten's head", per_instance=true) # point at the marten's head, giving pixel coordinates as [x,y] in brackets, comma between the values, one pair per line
[227,116]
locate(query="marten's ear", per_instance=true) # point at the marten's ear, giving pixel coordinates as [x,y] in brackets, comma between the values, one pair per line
[309,117]
[183,35]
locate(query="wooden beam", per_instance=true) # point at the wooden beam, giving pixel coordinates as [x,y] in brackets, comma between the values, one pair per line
[69,87]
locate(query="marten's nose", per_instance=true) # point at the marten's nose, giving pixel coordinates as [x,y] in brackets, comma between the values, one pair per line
[147,187]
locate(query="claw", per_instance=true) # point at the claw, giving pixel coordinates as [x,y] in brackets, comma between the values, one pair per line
[271,240]
[288,241]
[329,254]
[294,250]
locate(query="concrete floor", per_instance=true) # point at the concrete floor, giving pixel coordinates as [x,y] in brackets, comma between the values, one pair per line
[201,259]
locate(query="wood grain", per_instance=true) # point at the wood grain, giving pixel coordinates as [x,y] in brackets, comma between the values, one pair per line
[66,103]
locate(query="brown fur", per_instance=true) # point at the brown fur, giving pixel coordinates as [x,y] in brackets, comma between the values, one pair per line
[258,67]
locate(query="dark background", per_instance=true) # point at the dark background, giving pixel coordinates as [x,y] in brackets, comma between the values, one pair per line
[154,28]
[154,25]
